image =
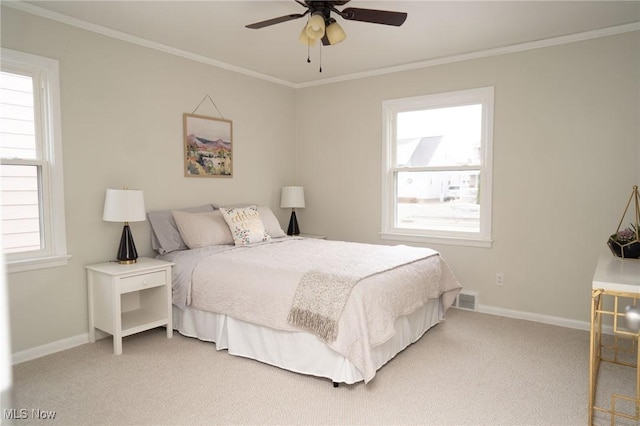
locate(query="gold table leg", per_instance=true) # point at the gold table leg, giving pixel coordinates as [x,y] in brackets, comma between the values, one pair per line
[594,346]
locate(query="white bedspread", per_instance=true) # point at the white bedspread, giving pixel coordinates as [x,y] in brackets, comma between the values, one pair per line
[257,284]
[331,274]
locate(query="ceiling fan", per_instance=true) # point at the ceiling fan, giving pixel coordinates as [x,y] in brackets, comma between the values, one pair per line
[321,26]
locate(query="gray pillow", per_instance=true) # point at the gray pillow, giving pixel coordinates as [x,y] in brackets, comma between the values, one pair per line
[165,236]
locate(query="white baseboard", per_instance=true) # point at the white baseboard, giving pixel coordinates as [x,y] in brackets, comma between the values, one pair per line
[53,347]
[544,319]
[49,348]
[72,342]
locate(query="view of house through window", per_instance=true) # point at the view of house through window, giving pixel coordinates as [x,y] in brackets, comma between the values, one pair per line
[441,150]
[438,166]
[20,195]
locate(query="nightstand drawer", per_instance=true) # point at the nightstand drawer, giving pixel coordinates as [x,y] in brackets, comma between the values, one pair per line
[140,282]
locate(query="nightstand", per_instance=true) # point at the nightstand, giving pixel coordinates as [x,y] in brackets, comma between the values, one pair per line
[128,299]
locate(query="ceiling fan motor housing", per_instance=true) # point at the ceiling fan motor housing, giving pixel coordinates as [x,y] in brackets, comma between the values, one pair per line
[319,13]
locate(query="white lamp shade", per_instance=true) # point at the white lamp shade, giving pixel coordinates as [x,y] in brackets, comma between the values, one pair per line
[124,205]
[292,197]
[335,33]
[315,27]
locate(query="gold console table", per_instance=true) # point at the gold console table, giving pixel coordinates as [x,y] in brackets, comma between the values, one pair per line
[616,284]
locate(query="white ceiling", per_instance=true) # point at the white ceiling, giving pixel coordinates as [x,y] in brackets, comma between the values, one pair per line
[214,31]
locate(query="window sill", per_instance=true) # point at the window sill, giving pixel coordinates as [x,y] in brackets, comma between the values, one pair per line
[24,265]
[451,241]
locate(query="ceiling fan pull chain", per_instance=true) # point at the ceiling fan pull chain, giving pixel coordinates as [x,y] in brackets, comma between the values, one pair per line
[320,57]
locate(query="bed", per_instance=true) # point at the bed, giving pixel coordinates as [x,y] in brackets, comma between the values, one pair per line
[332,309]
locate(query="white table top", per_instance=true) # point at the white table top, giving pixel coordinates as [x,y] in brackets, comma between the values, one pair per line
[115,268]
[616,274]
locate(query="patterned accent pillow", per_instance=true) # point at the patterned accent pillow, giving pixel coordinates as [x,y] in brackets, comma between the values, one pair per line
[245,225]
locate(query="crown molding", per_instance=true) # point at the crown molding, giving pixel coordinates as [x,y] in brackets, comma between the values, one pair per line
[99,29]
[521,47]
[555,41]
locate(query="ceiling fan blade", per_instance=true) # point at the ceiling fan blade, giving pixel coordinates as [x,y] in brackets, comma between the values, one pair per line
[374,16]
[274,21]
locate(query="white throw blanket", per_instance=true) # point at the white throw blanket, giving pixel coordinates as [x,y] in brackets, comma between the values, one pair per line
[322,293]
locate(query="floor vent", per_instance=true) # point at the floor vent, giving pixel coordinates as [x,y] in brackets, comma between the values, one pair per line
[467,300]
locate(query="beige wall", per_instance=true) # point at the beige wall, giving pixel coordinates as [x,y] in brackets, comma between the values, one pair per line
[566,155]
[122,109]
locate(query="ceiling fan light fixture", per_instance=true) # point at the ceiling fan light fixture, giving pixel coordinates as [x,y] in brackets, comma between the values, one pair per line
[304,38]
[334,32]
[315,27]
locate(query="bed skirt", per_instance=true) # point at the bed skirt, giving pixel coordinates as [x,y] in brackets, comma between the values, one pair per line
[299,352]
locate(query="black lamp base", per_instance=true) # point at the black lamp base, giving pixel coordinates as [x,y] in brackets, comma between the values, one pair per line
[293,225]
[127,253]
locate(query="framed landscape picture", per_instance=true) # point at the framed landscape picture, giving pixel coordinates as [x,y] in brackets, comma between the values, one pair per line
[207,146]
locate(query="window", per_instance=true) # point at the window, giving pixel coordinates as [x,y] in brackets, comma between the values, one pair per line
[437,152]
[33,224]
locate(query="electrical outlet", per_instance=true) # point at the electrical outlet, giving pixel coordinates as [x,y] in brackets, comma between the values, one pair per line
[500,279]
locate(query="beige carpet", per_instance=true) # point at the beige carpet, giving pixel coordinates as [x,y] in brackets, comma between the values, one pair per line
[472,369]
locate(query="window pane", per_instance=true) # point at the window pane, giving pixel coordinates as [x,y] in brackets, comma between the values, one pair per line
[443,201]
[17,128]
[437,160]
[17,82]
[439,137]
[32,217]
[21,225]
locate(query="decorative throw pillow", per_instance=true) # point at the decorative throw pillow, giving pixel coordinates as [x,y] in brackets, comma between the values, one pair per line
[245,225]
[202,229]
[269,219]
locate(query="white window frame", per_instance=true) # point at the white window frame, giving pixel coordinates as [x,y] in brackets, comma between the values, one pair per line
[45,72]
[390,109]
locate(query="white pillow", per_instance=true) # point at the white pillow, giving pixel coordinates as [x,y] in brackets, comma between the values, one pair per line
[202,229]
[270,222]
[245,225]
[165,236]
[269,219]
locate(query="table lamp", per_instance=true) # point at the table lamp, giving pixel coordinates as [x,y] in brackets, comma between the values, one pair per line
[292,198]
[125,205]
